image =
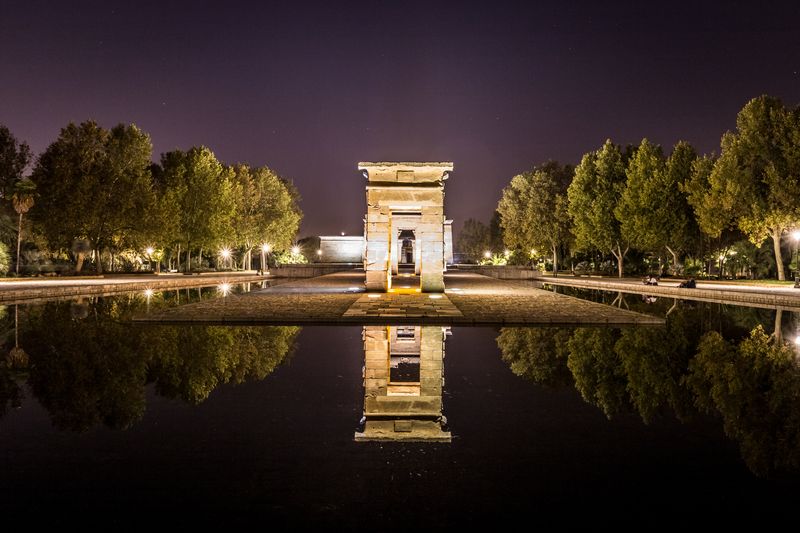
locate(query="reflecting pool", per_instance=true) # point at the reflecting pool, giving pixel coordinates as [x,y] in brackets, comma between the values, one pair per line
[397,426]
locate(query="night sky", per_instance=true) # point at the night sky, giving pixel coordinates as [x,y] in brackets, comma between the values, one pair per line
[310,88]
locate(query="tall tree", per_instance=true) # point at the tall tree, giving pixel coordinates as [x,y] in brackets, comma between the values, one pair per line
[93,184]
[635,212]
[533,211]
[757,176]
[266,211]
[22,200]
[675,222]
[14,159]
[200,191]
[474,239]
[594,192]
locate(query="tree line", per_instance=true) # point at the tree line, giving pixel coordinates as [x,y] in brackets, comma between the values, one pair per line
[95,194]
[679,212]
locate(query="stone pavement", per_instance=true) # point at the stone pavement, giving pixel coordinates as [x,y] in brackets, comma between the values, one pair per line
[470,299]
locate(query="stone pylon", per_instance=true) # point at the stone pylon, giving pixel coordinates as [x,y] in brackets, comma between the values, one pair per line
[405,196]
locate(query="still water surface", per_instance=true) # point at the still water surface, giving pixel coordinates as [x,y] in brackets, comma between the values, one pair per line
[99,417]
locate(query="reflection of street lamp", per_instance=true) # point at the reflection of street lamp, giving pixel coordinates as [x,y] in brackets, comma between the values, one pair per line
[796,237]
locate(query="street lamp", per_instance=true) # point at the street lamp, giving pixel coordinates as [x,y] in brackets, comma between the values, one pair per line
[150,251]
[487,254]
[226,254]
[796,238]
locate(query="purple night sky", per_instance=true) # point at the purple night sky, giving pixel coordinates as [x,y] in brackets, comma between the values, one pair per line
[311,88]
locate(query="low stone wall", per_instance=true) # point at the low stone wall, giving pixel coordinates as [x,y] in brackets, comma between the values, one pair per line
[311,270]
[58,290]
[503,272]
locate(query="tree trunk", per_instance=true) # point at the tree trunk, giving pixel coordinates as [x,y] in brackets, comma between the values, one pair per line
[99,261]
[19,241]
[79,263]
[188,258]
[776,243]
[555,261]
[619,255]
[674,259]
[778,332]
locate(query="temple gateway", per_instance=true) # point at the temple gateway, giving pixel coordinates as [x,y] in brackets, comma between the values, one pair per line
[406,236]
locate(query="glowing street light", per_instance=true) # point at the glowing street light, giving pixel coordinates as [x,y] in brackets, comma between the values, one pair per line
[226,254]
[487,254]
[295,250]
[265,248]
[150,251]
[224,288]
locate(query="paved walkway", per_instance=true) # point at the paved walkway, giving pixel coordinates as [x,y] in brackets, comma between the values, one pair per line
[765,296]
[470,299]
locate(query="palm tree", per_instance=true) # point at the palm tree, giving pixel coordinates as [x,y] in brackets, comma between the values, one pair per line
[23,201]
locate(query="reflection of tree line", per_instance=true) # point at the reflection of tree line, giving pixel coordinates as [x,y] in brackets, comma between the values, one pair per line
[92,367]
[753,383]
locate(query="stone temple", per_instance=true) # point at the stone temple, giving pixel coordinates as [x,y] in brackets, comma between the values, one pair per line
[405,230]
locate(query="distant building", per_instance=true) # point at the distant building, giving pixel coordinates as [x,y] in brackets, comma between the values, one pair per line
[350,248]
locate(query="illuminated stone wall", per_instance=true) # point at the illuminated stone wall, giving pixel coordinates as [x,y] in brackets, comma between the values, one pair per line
[341,249]
[408,196]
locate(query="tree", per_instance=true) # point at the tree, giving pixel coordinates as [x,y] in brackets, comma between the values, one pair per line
[635,212]
[198,190]
[22,200]
[675,221]
[474,239]
[266,211]
[533,211]
[14,159]
[594,192]
[93,185]
[756,179]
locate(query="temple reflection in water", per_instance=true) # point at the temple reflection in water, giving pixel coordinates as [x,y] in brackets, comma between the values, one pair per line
[403,378]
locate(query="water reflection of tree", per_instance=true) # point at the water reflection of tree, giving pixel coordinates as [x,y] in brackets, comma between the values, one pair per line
[753,383]
[192,361]
[91,368]
[755,387]
[537,354]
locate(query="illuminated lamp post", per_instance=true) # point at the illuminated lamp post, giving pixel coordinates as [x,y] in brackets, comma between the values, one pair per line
[226,254]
